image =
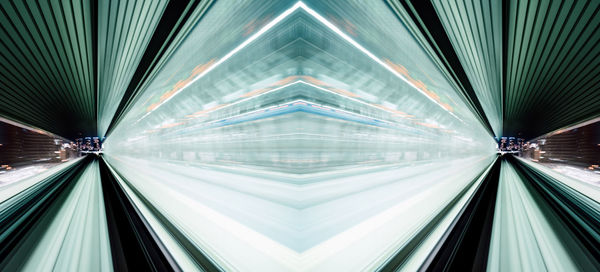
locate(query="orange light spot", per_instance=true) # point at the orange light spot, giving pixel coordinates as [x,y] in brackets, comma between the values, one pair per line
[428,125]
[255,92]
[286,80]
[168,94]
[417,83]
[398,68]
[344,92]
[202,67]
[171,125]
[152,107]
[350,28]
[182,83]
[448,107]
[254,24]
[343,24]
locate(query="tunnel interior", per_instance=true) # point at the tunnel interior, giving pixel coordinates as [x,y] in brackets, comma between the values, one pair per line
[309,135]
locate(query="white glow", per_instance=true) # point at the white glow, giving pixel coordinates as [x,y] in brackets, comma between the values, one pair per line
[231,53]
[316,15]
[367,52]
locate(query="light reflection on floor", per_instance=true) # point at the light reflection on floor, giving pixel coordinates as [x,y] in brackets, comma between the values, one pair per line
[583,174]
[16,174]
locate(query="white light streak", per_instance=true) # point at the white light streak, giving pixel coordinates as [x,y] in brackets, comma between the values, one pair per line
[281,17]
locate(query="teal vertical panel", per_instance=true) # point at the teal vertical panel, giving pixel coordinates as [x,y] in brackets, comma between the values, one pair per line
[473,28]
[46,74]
[124,31]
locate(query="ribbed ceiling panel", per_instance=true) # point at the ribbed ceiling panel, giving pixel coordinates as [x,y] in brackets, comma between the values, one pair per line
[46,65]
[552,65]
[124,31]
[475,30]
[534,65]
[53,63]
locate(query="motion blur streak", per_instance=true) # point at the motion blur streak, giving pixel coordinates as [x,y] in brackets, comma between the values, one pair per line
[300,176]
[519,222]
[285,135]
[541,222]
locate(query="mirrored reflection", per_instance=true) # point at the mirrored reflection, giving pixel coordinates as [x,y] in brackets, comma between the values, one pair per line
[298,139]
[26,152]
